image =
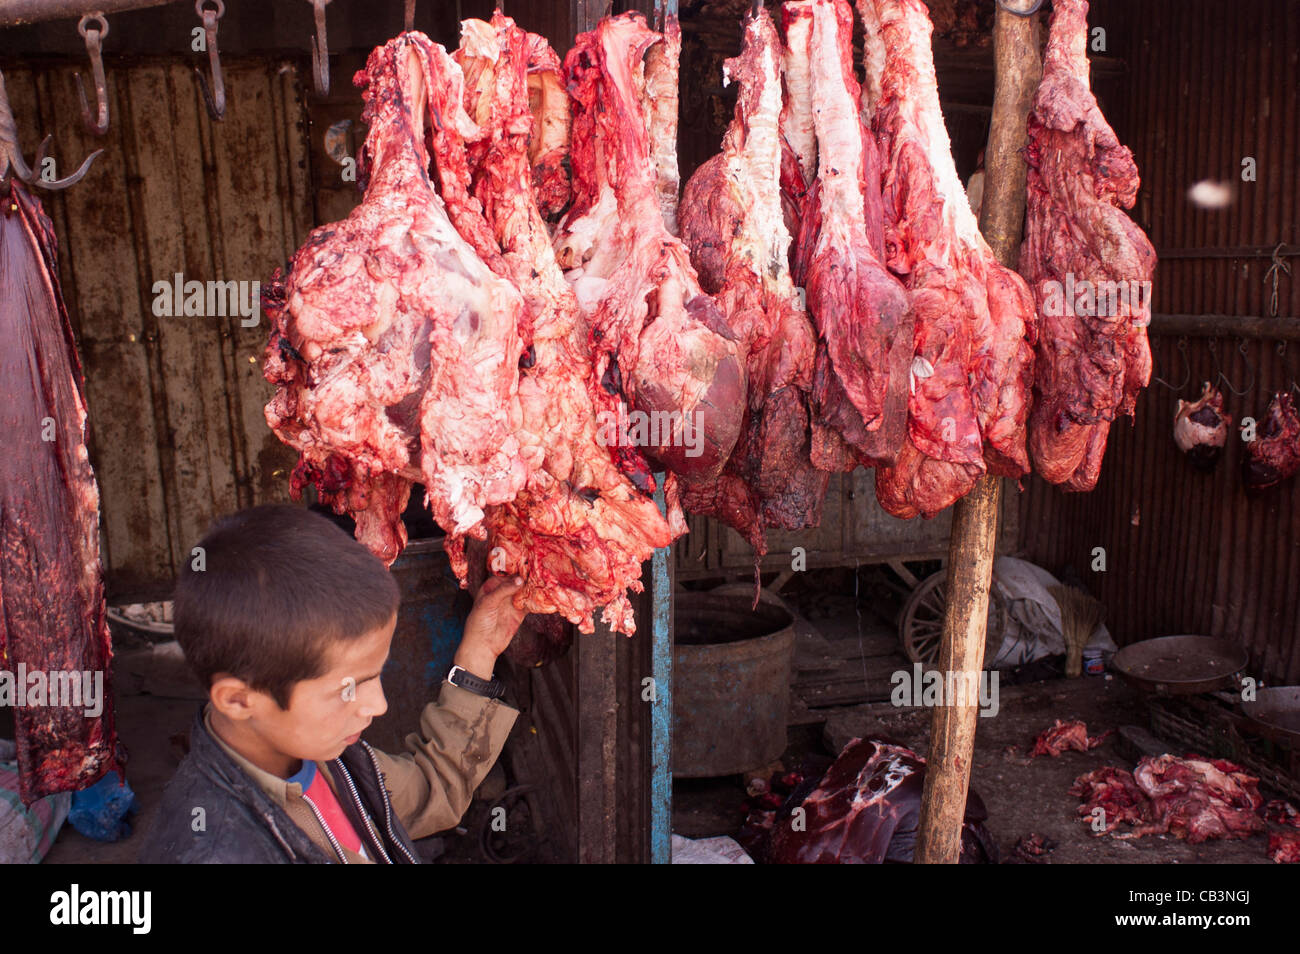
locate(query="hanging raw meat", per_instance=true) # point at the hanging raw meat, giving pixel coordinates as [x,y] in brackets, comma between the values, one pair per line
[1274,455]
[580,529]
[731,219]
[394,348]
[1088,263]
[1201,428]
[53,621]
[659,341]
[973,364]
[864,324]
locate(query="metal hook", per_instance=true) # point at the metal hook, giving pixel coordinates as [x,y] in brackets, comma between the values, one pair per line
[320,54]
[94,46]
[214,97]
[1241,349]
[12,164]
[1187,368]
[410,15]
[1286,365]
[1274,271]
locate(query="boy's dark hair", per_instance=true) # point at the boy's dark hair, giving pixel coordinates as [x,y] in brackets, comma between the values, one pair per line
[279,585]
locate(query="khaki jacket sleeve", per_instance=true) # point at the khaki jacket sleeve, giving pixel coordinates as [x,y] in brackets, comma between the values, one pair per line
[432,783]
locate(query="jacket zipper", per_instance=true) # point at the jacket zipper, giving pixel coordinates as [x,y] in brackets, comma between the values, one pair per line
[338,849]
[356,799]
[388,811]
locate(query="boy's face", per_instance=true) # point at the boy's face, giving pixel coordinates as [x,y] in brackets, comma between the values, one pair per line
[325,715]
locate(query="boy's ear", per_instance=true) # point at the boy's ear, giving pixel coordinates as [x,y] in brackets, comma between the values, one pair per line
[232,697]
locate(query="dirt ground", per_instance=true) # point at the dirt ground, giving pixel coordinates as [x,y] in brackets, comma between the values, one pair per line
[1022,797]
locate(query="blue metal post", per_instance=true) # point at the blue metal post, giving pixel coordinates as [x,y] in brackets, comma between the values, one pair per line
[661,719]
[661,708]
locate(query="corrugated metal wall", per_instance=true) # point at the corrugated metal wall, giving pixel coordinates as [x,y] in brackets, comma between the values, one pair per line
[175,403]
[1208,84]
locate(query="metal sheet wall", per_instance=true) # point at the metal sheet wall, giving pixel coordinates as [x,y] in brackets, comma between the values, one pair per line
[176,426]
[1207,85]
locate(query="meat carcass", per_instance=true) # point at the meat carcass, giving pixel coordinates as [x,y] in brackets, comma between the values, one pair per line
[395,349]
[732,222]
[1066,736]
[1201,428]
[975,327]
[1274,455]
[579,530]
[861,312]
[659,341]
[867,810]
[1088,263]
[53,618]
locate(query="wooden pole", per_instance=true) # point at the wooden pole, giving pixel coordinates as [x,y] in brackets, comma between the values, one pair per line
[975,517]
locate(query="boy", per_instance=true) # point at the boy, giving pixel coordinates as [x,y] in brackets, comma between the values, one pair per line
[288,621]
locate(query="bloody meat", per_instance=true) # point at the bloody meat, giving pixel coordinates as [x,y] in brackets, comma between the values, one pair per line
[732,221]
[659,341]
[1087,262]
[53,618]
[975,325]
[580,528]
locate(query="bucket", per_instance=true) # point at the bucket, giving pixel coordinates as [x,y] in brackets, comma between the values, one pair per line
[731,684]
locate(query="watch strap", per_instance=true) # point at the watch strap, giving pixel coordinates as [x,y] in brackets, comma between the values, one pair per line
[490,689]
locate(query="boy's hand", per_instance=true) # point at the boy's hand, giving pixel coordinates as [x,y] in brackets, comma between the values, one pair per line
[491,625]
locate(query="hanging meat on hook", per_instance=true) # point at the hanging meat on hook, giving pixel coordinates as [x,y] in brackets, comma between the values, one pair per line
[395,349]
[1088,263]
[861,312]
[1201,428]
[660,342]
[53,618]
[732,221]
[580,528]
[972,369]
[1274,455]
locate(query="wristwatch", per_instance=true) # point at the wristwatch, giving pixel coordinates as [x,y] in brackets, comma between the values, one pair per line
[493,689]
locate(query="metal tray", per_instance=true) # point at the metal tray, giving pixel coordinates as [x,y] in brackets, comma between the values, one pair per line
[1275,712]
[1181,665]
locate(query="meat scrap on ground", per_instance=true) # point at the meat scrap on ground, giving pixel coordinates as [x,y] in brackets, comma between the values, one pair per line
[867,809]
[579,530]
[1114,791]
[974,318]
[659,341]
[1088,263]
[732,222]
[1274,455]
[1201,428]
[861,312]
[1066,736]
[394,348]
[1195,799]
[53,618]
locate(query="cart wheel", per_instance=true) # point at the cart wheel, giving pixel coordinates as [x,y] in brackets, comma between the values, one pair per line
[920,628]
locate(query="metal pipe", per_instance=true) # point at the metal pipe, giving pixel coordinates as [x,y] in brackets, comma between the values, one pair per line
[1227,326]
[661,707]
[23,12]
